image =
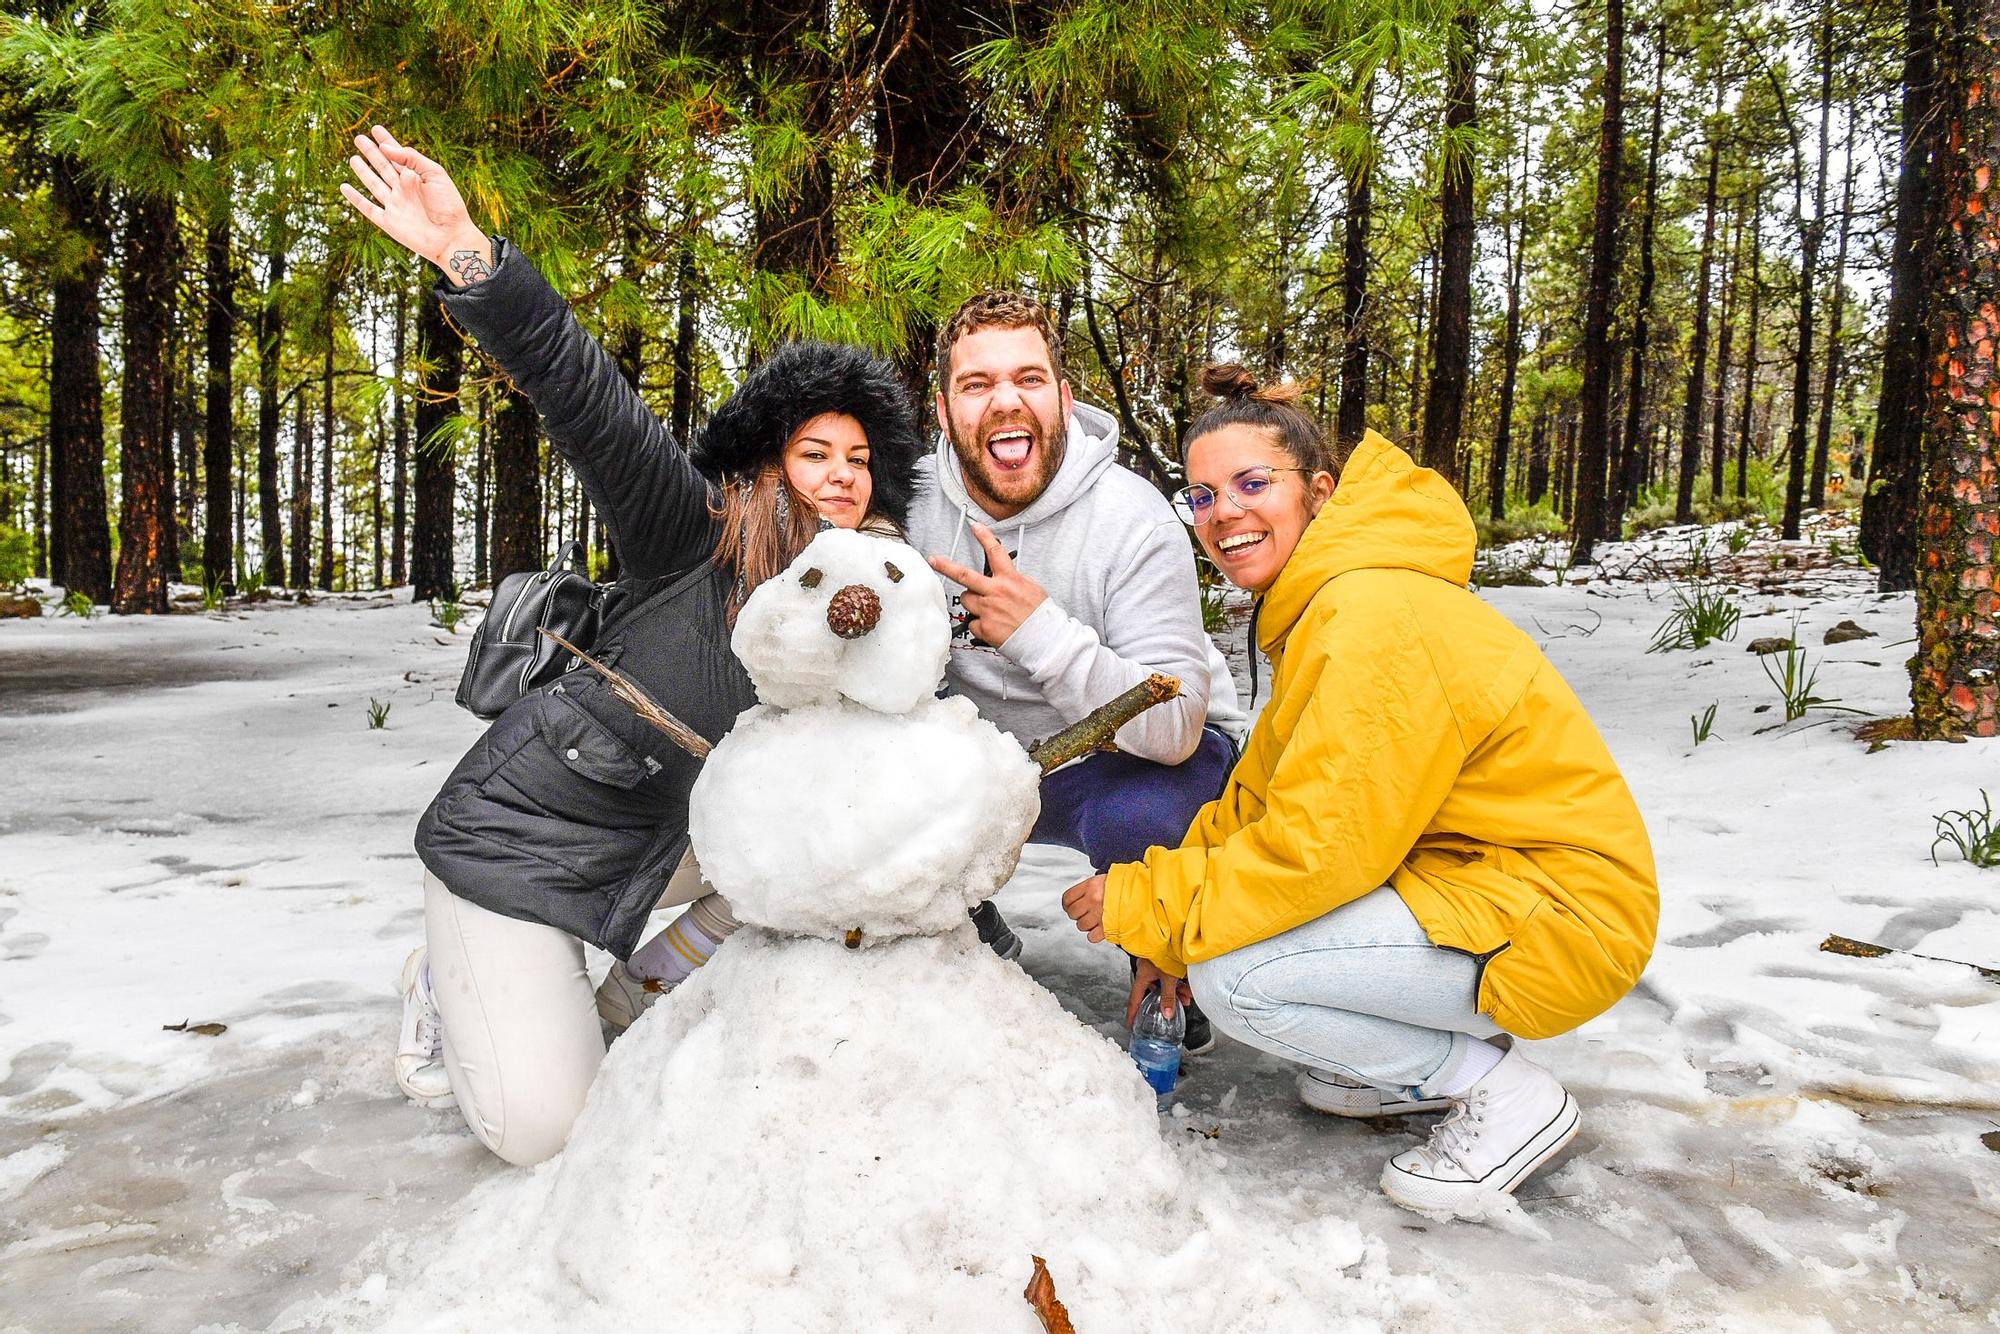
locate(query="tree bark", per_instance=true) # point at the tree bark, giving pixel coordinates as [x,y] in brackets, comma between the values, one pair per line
[1838,298]
[1444,406]
[1811,234]
[1353,417]
[1719,407]
[302,491]
[1632,455]
[1889,508]
[431,572]
[399,449]
[270,344]
[1750,352]
[1503,436]
[517,486]
[145,449]
[218,566]
[1594,432]
[1697,386]
[80,530]
[326,450]
[1955,676]
[792,230]
[482,515]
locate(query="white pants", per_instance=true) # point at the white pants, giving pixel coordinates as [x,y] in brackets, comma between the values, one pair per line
[521,1037]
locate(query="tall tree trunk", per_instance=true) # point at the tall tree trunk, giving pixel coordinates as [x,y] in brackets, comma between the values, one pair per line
[379,448]
[1503,436]
[517,486]
[1823,445]
[1810,236]
[482,515]
[302,491]
[1635,451]
[218,565]
[270,344]
[80,533]
[1697,386]
[686,384]
[326,450]
[1444,407]
[1889,507]
[1538,457]
[1955,677]
[145,450]
[399,449]
[1594,431]
[1417,363]
[1353,418]
[431,573]
[1750,352]
[1718,425]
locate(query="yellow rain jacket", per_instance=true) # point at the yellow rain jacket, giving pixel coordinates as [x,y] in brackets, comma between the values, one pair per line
[1413,738]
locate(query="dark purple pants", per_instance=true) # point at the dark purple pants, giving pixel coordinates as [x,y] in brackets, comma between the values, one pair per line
[1111,807]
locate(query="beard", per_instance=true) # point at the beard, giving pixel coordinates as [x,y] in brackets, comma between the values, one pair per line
[1010,489]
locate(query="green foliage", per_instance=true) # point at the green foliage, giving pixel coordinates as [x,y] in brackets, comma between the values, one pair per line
[1975,834]
[1522,521]
[378,714]
[77,603]
[1702,614]
[213,597]
[1797,680]
[17,555]
[446,613]
[1703,724]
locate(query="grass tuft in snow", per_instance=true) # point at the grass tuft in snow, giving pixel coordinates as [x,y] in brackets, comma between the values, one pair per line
[1703,613]
[77,603]
[378,714]
[1703,723]
[1798,680]
[447,612]
[1974,833]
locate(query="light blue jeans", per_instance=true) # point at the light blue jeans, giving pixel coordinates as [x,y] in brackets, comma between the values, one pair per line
[1360,991]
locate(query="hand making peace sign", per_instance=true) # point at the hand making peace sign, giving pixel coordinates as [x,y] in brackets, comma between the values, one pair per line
[998,601]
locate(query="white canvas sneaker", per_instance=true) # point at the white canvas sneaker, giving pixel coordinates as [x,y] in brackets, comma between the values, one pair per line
[1337,1095]
[420,1071]
[1509,1123]
[623,997]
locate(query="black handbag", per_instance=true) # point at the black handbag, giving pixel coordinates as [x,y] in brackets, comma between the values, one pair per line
[510,656]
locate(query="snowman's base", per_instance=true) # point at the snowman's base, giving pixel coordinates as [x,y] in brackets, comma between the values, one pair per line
[804,1137]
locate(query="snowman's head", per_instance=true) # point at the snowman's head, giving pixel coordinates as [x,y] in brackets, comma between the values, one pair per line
[856,617]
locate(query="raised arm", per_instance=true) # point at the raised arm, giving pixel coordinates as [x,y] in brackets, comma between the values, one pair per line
[655,503]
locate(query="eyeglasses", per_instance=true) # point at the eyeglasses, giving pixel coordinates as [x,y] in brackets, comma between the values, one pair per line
[1196,503]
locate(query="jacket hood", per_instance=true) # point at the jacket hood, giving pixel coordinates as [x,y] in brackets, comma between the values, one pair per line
[1386,514]
[1091,448]
[800,381]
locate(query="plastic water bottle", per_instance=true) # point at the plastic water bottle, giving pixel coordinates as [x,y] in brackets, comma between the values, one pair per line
[1156,1046]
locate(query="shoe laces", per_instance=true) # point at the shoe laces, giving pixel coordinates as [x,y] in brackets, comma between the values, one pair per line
[1453,1138]
[423,1026]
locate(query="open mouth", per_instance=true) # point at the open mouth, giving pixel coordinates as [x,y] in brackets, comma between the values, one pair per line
[1010,448]
[1237,545]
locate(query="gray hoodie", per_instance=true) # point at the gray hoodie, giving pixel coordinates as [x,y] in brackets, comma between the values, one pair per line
[1122,600]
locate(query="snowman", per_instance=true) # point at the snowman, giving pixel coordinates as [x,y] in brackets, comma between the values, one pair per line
[856,1116]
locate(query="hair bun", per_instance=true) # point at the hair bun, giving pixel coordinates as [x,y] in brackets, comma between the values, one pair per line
[1228,381]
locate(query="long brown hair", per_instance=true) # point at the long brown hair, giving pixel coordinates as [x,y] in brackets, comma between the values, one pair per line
[766,523]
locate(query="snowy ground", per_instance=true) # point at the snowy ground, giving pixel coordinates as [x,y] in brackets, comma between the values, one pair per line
[198,825]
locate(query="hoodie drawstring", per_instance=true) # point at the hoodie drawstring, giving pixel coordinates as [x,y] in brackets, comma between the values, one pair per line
[1251,649]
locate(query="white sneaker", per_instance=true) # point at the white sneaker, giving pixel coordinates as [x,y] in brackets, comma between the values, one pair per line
[1509,1123]
[420,1071]
[1337,1095]
[622,996]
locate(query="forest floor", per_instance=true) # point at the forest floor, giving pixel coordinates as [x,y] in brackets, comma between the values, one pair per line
[198,826]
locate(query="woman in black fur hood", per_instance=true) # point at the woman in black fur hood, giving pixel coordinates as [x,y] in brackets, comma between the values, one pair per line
[566,823]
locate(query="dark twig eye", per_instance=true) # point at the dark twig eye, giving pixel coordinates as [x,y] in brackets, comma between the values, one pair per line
[895,575]
[810,579]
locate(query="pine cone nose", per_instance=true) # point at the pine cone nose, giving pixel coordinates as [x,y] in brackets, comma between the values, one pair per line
[854,611]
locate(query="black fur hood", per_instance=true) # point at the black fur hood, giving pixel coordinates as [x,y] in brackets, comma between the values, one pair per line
[799,382]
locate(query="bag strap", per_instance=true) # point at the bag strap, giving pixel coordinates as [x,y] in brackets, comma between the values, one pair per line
[572,555]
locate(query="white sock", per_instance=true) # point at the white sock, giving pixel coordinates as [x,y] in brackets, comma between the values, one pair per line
[1474,1064]
[670,956]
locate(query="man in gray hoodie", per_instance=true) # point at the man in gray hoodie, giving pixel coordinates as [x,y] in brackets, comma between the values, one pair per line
[1072,580]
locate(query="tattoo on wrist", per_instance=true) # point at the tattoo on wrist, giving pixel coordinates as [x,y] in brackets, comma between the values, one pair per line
[469,267]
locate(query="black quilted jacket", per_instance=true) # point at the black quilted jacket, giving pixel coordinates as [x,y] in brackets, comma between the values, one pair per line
[570,811]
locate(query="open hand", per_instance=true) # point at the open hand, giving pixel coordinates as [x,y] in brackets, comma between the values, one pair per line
[998,601]
[1084,902]
[416,205]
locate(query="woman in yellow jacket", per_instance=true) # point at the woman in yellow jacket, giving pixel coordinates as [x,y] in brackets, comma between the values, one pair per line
[1425,844]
